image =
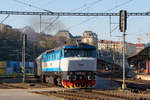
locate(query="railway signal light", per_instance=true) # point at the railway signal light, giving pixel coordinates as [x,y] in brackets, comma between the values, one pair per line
[123,27]
[123,20]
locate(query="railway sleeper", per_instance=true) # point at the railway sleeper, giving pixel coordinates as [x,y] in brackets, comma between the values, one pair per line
[118,95]
[82,96]
[77,95]
[70,97]
[122,95]
[91,96]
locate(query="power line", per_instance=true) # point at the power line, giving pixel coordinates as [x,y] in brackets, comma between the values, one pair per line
[50,24]
[88,5]
[83,6]
[50,2]
[117,6]
[4,19]
[33,6]
[39,9]
[81,22]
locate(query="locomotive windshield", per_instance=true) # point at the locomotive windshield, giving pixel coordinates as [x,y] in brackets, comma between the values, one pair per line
[79,53]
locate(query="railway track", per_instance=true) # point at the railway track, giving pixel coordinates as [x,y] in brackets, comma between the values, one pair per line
[135,85]
[96,95]
[3,86]
[25,85]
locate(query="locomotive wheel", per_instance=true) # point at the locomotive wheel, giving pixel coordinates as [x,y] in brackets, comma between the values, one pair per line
[51,80]
[55,81]
[59,81]
[42,78]
[47,79]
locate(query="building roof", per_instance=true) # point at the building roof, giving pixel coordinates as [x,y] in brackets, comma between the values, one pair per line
[64,33]
[109,41]
[139,52]
[84,45]
[141,45]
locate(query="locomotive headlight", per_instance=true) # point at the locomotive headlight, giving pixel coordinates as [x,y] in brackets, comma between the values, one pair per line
[70,73]
[90,73]
[89,77]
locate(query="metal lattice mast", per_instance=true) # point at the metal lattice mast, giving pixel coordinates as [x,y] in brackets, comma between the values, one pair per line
[71,13]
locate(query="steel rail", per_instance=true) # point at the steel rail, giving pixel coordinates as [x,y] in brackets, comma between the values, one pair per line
[96,95]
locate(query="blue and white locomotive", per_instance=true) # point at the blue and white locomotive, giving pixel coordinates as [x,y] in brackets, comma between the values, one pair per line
[70,66]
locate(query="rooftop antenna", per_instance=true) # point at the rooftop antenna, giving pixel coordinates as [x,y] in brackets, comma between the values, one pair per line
[139,40]
[148,35]
[77,43]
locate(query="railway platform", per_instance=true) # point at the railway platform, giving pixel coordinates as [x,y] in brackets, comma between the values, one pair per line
[143,77]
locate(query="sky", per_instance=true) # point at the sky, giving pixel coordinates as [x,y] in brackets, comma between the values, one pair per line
[136,26]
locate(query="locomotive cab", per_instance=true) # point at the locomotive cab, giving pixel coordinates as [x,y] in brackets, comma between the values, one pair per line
[80,64]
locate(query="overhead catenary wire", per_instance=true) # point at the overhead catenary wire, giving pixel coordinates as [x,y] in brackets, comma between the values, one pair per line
[4,19]
[91,4]
[89,19]
[119,5]
[88,5]
[40,15]
[33,6]
[49,2]
[83,6]
[50,24]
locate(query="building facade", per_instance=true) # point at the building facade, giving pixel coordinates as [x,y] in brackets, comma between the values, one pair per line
[90,38]
[106,45]
[64,33]
[4,27]
[117,46]
[139,47]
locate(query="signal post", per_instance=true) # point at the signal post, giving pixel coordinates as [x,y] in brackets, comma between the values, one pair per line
[123,27]
[24,41]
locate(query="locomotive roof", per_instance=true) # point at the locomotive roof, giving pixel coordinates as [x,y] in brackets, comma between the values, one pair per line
[78,45]
[72,45]
[69,46]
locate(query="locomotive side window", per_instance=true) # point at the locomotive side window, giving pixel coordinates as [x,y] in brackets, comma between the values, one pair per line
[55,56]
[60,53]
[79,52]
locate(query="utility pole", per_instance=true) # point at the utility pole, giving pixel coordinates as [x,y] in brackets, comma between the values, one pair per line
[114,57]
[40,22]
[23,56]
[122,26]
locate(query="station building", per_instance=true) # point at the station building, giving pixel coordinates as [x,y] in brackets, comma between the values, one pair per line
[140,62]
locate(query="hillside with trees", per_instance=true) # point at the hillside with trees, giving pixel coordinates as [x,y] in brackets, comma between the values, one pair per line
[11,43]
